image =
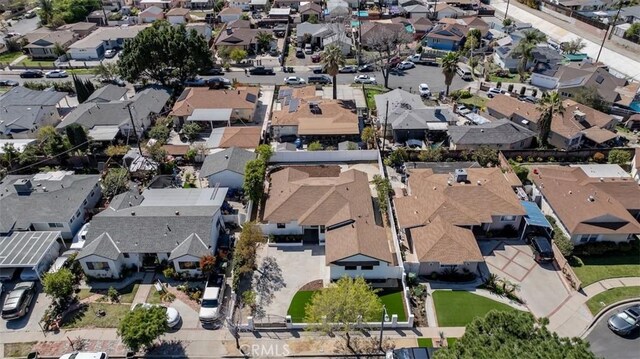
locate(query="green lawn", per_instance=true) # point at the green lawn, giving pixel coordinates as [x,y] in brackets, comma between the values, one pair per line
[514,78]
[128,293]
[82,71]
[10,56]
[598,268]
[599,301]
[85,293]
[370,92]
[154,297]
[86,317]
[451,341]
[475,101]
[38,62]
[425,342]
[459,308]
[393,303]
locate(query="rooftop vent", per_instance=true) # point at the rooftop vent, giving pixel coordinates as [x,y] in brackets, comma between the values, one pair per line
[177,213]
[460,175]
[23,186]
[591,199]
[133,213]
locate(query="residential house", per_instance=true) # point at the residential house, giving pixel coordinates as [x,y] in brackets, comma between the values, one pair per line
[499,134]
[320,33]
[583,5]
[370,28]
[102,39]
[31,250]
[141,230]
[337,9]
[418,26]
[202,29]
[282,13]
[443,212]
[235,136]
[19,145]
[310,10]
[107,117]
[409,119]
[243,5]
[196,4]
[448,37]
[443,10]
[590,203]
[81,29]
[299,112]
[178,15]
[50,201]
[163,4]
[49,44]
[229,14]
[543,58]
[333,209]
[240,37]
[579,124]
[24,111]
[259,5]
[225,168]
[216,108]
[416,11]
[294,4]
[635,165]
[108,93]
[151,14]
[97,17]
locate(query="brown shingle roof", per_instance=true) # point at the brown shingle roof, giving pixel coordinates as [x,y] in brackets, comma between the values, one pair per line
[569,191]
[454,32]
[598,135]
[243,137]
[176,150]
[230,11]
[442,242]
[177,11]
[204,98]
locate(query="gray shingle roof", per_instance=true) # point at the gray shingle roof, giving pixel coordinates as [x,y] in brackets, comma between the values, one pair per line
[496,132]
[417,119]
[232,159]
[193,246]
[399,100]
[107,93]
[103,246]
[22,109]
[23,96]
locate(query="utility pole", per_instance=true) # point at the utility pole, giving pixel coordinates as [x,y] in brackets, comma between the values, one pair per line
[135,132]
[604,38]
[615,19]
[507,9]
[384,131]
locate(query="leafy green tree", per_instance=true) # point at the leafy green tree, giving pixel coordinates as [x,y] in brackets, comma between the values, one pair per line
[619,157]
[160,132]
[472,41]
[254,172]
[141,326]
[384,190]
[264,153]
[525,47]
[264,40]
[72,11]
[513,334]
[449,68]
[244,254]
[238,55]
[59,285]
[315,146]
[84,89]
[550,104]
[485,155]
[28,155]
[50,141]
[313,19]
[332,59]
[191,131]
[339,307]
[633,31]
[58,50]
[589,96]
[9,155]
[115,182]
[396,157]
[77,136]
[368,136]
[160,47]
[106,70]
[574,46]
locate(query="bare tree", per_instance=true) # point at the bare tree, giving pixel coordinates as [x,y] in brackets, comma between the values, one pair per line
[267,280]
[387,43]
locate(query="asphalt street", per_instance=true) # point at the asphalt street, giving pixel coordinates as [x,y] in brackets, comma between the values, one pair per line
[606,344]
[409,80]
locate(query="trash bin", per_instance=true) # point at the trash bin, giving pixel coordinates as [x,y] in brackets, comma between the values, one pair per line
[32,355]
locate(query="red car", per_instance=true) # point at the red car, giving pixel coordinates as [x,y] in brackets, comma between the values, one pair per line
[316,58]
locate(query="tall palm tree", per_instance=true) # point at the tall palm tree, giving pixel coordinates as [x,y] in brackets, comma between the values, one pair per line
[46,11]
[526,45]
[549,105]
[449,68]
[264,40]
[534,36]
[333,59]
[574,46]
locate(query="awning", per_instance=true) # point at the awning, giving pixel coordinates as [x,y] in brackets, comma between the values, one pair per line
[534,216]
[26,249]
[216,137]
[477,119]
[211,114]
[104,133]
[437,126]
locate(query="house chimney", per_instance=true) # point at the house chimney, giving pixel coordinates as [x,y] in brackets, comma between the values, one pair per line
[133,213]
[229,31]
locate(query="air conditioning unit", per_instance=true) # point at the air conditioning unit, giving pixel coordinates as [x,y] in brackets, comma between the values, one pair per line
[460,175]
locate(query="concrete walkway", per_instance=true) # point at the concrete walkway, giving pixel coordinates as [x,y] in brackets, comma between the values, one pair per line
[572,318]
[144,289]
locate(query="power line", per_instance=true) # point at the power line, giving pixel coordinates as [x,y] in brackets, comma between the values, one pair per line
[49,158]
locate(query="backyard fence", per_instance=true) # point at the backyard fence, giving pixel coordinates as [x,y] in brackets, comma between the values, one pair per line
[565,267]
[574,14]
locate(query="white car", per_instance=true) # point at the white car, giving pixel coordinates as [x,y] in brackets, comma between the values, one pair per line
[462,110]
[294,80]
[110,53]
[364,79]
[424,90]
[406,65]
[85,355]
[494,91]
[173,317]
[56,74]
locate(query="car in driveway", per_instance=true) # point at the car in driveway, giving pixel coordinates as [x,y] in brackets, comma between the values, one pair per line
[318,70]
[56,74]
[364,79]
[261,70]
[462,110]
[406,65]
[85,355]
[9,83]
[625,322]
[542,250]
[348,69]
[211,300]
[114,81]
[195,82]
[367,68]
[316,58]
[494,91]
[111,53]
[424,90]
[173,316]
[16,303]
[31,74]
[294,80]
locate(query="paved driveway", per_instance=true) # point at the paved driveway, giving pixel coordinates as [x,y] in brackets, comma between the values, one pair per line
[28,323]
[541,284]
[300,265]
[606,344]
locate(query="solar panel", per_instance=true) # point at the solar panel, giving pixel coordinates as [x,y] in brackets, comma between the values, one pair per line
[293,105]
[285,93]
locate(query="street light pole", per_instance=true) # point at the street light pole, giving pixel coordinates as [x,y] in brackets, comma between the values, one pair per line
[385,316]
[507,9]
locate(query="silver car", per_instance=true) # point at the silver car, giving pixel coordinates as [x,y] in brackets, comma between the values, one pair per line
[18,301]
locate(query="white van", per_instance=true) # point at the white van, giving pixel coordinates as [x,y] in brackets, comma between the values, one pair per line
[464,71]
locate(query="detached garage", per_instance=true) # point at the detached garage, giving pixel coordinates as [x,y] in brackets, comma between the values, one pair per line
[226,168]
[33,251]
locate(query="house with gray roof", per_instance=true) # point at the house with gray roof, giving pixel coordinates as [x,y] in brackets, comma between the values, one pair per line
[108,93]
[24,111]
[139,230]
[226,168]
[323,35]
[498,134]
[51,201]
[105,118]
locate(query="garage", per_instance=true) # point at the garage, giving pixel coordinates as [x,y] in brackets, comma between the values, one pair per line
[28,251]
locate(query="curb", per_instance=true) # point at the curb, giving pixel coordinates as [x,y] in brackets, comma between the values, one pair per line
[604,311]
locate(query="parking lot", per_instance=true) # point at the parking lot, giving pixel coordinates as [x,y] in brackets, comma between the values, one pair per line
[607,344]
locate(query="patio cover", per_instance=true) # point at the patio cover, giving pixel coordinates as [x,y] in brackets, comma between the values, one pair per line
[437,126]
[211,114]
[104,133]
[534,216]
[25,249]
[477,119]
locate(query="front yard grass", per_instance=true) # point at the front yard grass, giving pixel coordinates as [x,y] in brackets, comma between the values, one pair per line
[370,91]
[425,342]
[298,303]
[8,57]
[128,293]
[13,350]
[599,301]
[459,308]
[87,317]
[596,269]
[393,303]
[37,62]
[515,78]
[475,101]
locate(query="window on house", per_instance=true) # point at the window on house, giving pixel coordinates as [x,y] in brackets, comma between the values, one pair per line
[366,267]
[92,193]
[507,218]
[98,265]
[126,255]
[350,267]
[56,225]
[281,225]
[78,213]
[322,229]
[85,202]
[188,265]
[588,238]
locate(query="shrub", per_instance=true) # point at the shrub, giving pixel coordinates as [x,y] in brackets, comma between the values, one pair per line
[499,84]
[606,247]
[113,294]
[169,272]
[510,88]
[619,157]
[539,159]
[315,146]
[551,159]
[598,157]
[519,159]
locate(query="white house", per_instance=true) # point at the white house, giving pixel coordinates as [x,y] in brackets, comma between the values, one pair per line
[230,14]
[177,15]
[143,230]
[102,39]
[244,5]
[226,168]
[150,14]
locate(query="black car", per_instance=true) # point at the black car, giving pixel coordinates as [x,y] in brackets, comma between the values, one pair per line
[217,82]
[114,81]
[319,79]
[31,74]
[261,70]
[8,83]
[17,302]
[214,71]
[367,68]
[319,70]
[542,249]
[625,322]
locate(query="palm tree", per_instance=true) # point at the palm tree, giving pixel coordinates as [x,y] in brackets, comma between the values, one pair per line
[574,46]
[449,68]
[46,11]
[534,36]
[549,105]
[333,59]
[264,40]
[368,136]
[524,50]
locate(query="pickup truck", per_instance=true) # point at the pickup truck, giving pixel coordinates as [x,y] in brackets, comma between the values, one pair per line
[211,300]
[423,59]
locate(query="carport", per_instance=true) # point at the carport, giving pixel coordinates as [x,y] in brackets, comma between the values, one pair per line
[31,250]
[534,220]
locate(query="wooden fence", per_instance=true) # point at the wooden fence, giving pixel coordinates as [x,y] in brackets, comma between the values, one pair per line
[574,14]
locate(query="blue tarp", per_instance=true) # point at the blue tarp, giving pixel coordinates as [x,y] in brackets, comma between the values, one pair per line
[534,216]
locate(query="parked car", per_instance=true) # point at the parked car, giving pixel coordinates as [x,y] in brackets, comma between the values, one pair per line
[348,69]
[9,83]
[261,70]
[29,274]
[308,49]
[173,316]
[85,355]
[110,53]
[195,82]
[7,274]
[17,302]
[494,91]
[319,79]
[274,51]
[211,300]
[114,81]
[316,58]
[61,261]
[625,322]
[462,110]
[367,68]
[213,71]
[541,249]
[530,99]
[30,14]
[294,80]
[406,65]
[31,74]
[218,82]
[299,53]
[424,90]
[56,74]
[365,79]
[319,70]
